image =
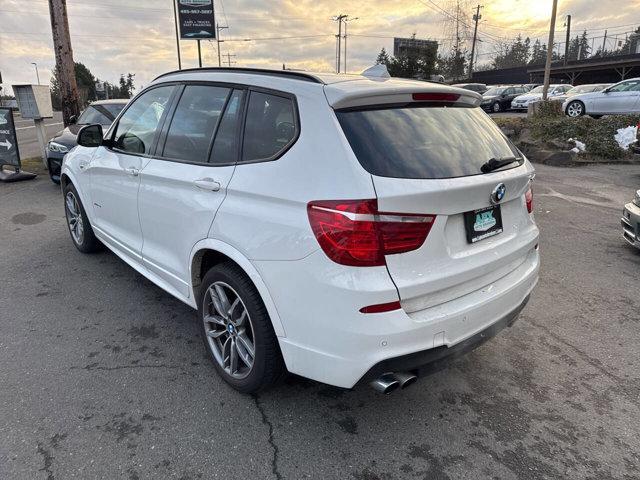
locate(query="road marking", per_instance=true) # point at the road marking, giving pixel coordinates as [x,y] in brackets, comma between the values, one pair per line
[46,125]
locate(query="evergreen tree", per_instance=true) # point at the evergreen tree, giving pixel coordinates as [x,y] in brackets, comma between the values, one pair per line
[453,66]
[515,54]
[383,57]
[538,53]
[413,64]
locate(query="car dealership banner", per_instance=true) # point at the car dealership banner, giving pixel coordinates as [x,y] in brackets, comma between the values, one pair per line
[196,19]
[9,154]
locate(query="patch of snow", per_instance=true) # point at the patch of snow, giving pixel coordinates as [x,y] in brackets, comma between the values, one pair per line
[626,137]
[580,146]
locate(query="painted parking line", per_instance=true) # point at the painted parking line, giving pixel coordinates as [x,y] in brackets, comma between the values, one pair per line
[46,125]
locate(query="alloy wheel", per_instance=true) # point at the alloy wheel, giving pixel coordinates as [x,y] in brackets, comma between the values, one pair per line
[574,109]
[74,218]
[229,330]
[496,107]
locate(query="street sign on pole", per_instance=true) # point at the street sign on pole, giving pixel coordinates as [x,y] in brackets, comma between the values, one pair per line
[9,153]
[196,19]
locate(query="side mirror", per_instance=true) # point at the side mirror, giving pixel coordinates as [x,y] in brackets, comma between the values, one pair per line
[73,119]
[90,136]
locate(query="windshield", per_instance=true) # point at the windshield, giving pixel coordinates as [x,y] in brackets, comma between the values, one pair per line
[537,90]
[584,89]
[495,91]
[104,114]
[424,141]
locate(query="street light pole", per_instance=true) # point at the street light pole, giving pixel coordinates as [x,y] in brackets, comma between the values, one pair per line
[547,67]
[218,28]
[37,75]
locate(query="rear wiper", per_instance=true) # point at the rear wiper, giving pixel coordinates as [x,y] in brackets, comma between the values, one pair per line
[496,163]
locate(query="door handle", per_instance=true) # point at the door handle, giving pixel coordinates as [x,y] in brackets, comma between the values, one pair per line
[83,165]
[207,184]
[132,171]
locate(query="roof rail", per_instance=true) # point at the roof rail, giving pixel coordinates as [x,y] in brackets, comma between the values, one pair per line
[307,77]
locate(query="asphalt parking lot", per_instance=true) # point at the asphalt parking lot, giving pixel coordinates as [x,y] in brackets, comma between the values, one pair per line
[103,375]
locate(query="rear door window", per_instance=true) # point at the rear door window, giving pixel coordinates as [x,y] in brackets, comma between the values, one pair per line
[424,141]
[270,128]
[194,123]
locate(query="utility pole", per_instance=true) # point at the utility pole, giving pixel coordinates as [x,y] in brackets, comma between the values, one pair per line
[218,29]
[199,55]
[476,18]
[175,21]
[229,55]
[37,74]
[339,19]
[65,69]
[566,46]
[547,67]
[346,20]
[604,42]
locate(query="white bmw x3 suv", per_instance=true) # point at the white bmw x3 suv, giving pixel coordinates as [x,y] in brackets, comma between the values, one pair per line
[343,228]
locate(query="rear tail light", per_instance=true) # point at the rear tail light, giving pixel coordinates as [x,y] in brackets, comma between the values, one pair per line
[355,233]
[528,197]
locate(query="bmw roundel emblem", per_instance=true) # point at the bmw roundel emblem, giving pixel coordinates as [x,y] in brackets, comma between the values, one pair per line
[498,193]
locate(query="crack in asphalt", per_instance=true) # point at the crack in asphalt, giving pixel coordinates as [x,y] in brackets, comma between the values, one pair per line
[276,451]
[95,366]
[48,461]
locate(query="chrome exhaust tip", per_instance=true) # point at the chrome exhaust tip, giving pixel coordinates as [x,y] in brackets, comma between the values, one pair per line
[405,379]
[385,384]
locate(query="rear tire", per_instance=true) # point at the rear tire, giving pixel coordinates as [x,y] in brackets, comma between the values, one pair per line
[80,229]
[234,323]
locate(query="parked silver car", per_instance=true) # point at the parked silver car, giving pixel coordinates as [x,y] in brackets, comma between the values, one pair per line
[588,88]
[631,221]
[621,98]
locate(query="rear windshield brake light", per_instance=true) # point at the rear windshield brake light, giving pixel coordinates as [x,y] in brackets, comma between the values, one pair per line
[435,97]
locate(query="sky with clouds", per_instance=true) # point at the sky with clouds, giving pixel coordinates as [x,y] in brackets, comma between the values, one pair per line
[112,37]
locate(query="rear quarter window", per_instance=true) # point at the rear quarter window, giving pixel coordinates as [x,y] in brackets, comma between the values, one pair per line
[424,141]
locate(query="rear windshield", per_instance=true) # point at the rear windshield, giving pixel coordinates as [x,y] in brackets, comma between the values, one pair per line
[424,142]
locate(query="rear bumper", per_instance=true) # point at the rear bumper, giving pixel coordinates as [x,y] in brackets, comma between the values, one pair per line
[630,222]
[435,359]
[329,340]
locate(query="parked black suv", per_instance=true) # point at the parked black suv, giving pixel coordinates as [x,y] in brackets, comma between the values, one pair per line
[103,112]
[498,99]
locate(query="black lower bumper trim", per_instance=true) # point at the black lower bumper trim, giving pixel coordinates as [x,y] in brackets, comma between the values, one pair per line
[435,359]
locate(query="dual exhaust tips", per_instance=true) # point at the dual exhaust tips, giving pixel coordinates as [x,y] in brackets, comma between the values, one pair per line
[390,382]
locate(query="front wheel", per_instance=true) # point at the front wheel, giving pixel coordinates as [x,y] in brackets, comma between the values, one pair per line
[496,107]
[575,109]
[237,331]
[79,227]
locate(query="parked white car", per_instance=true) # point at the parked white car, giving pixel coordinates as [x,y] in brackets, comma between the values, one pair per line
[347,229]
[522,102]
[621,98]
